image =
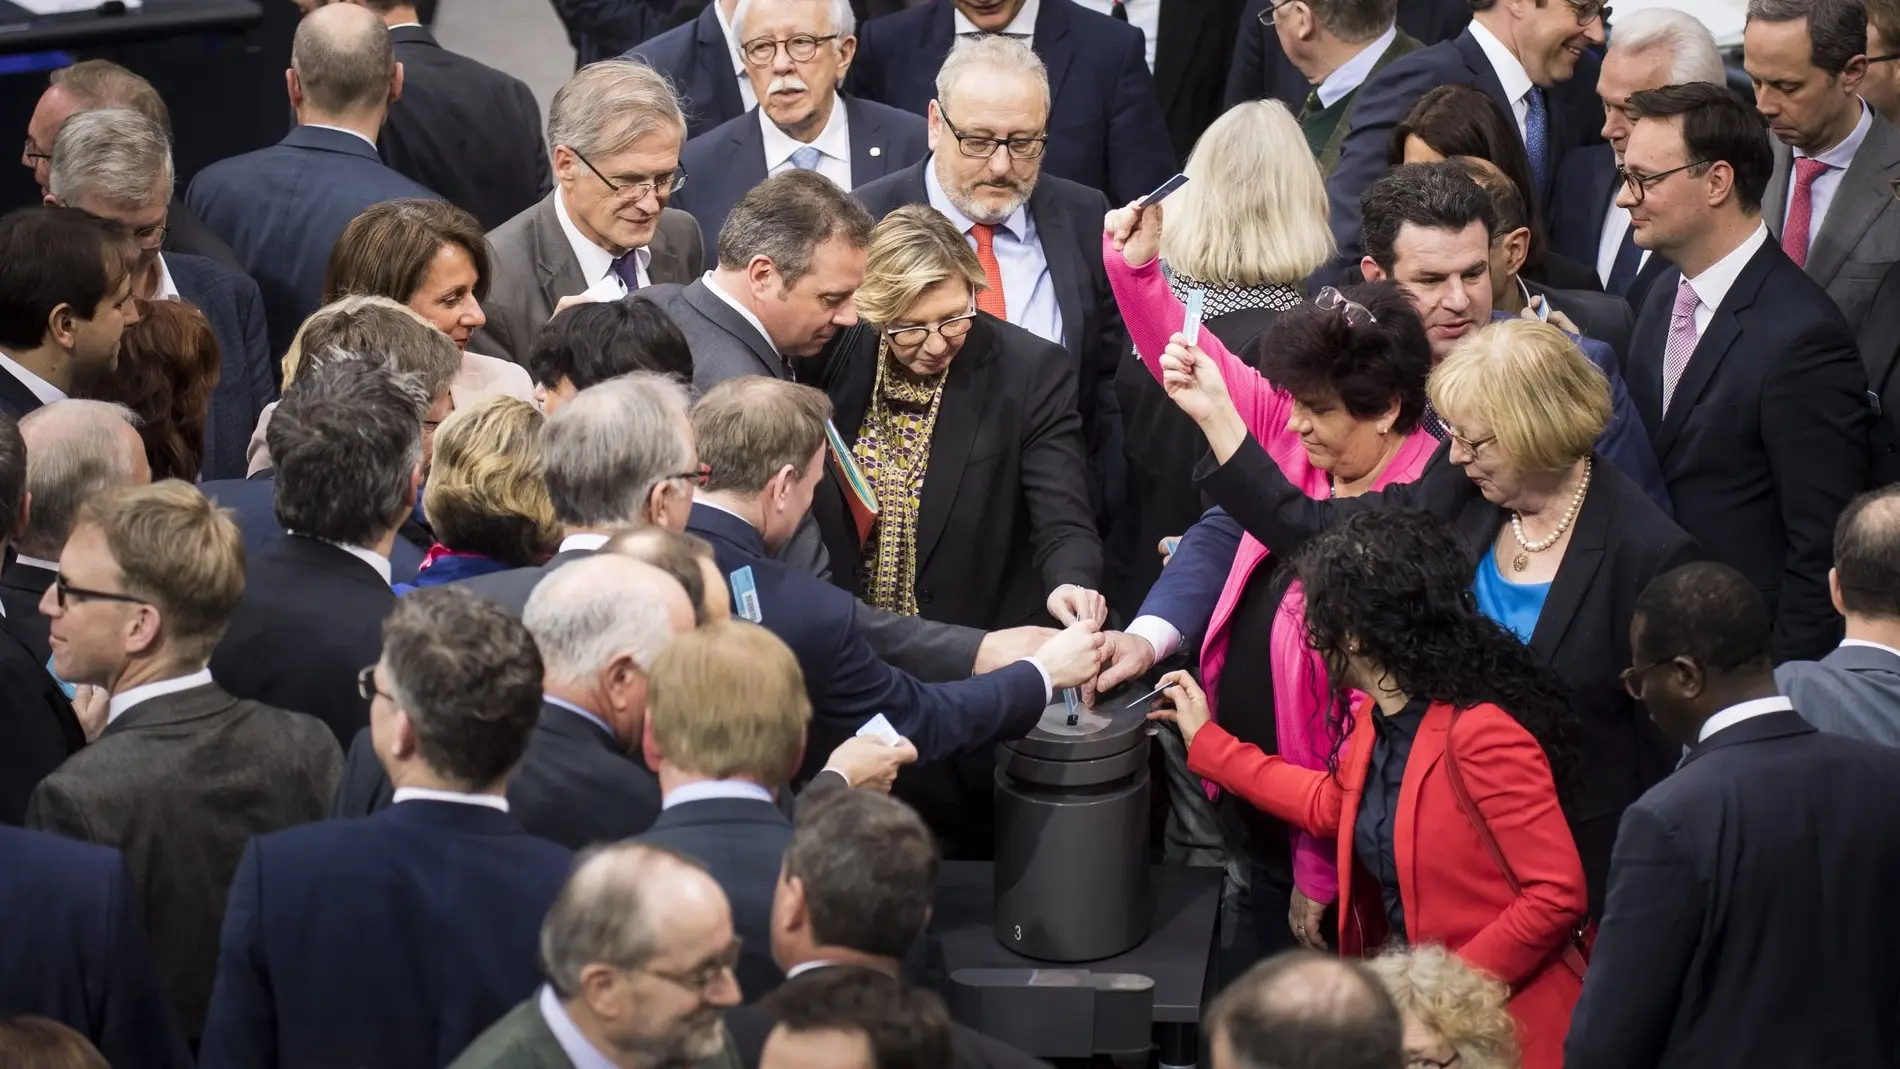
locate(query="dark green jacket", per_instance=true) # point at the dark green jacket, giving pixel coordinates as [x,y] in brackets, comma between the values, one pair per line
[1328,156]
[522,1040]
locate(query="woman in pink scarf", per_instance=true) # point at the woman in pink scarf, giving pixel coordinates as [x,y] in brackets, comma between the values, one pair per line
[1336,403]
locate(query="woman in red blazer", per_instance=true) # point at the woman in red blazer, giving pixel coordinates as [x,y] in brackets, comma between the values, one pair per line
[1450,695]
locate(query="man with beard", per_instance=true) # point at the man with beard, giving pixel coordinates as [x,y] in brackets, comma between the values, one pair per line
[65,298]
[638,951]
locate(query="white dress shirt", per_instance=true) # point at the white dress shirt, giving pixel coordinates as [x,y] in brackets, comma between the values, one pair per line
[583,541]
[39,387]
[1516,84]
[358,134]
[738,60]
[1143,15]
[597,264]
[145,692]
[1029,291]
[580,1053]
[1714,283]
[1616,221]
[804,967]
[430,794]
[167,289]
[1353,73]
[1023,25]
[1838,160]
[1735,714]
[833,144]
[736,306]
[715,788]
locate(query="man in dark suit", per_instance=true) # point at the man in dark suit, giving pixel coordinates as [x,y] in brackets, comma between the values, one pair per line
[1772,843]
[855,888]
[1262,70]
[1100,97]
[802,121]
[1855,690]
[84,960]
[599,340]
[283,207]
[347,441]
[65,297]
[183,774]
[1878,341]
[605,230]
[701,60]
[1334,48]
[599,29]
[394,940]
[117,164]
[1741,367]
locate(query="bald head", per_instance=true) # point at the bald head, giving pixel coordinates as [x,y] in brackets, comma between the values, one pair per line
[1302,1010]
[622,907]
[688,559]
[75,449]
[342,65]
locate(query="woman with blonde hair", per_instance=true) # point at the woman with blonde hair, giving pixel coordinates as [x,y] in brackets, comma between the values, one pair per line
[487,498]
[1454,1015]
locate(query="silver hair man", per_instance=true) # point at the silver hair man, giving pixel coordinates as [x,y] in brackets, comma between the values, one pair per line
[74,449]
[619,453]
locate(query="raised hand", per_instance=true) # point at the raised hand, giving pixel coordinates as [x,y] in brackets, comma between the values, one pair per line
[1074,656]
[1135,232]
[1070,604]
[1126,657]
[1184,704]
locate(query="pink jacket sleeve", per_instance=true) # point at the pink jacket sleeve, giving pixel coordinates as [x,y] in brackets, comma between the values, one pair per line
[1300,698]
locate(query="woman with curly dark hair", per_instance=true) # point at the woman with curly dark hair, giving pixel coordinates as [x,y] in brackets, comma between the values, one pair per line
[1441,795]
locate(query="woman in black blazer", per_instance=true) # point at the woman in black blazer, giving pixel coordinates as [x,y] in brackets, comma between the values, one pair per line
[1561,542]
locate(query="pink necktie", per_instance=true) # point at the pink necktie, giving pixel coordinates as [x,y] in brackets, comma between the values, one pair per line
[1794,236]
[1682,340]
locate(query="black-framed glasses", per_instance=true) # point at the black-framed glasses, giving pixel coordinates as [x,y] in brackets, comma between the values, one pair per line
[801,47]
[1632,676]
[1356,314]
[32,152]
[1472,445]
[64,592]
[1588,11]
[366,685]
[1266,16]
[954,327]
[1639,185]
[1888,58]
[664,185]
[697,478]
[701,979]
[1419,1061]
[982,148]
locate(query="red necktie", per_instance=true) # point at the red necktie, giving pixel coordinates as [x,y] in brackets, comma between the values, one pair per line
[991,298]
[1794,236]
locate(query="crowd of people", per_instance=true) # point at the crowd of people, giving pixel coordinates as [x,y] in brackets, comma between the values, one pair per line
[455,571]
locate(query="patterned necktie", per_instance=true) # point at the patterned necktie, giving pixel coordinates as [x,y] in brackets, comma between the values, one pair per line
[806,158]
[991,299]
[1682,340]
[1118,9]
[1629,259]
[1312,105]
[627,266]
[1794,236]
[1537,138]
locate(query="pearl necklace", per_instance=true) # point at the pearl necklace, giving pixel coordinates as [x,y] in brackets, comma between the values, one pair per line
[1525,548]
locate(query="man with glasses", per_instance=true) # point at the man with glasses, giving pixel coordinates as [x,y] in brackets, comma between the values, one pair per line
[1336,45]
[1880,86]
[614,135]
[1741,367]
[638,952]
[796,53]
[182,774]
[391,941]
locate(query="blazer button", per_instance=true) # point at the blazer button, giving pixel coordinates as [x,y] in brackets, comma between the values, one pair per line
[923,597]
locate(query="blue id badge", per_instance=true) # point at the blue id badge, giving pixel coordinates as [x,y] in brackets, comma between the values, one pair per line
[1191,322]
[745,595]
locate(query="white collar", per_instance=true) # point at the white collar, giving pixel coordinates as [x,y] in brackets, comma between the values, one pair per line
[367,556]
[1719,277]
[370,141]
[1735,714]
[429,794]
[732,38]
[1017,224]
[596,263]
[36,562]
[39,387]
[1509,69]
[715,788]
[1846,642]
[719,292]
[145,692]
[1351,74]
[804,967]
[834,140]
[407,26]
[1023,25]
[1841,156]
[581,1052]
[584,540]
[167,289]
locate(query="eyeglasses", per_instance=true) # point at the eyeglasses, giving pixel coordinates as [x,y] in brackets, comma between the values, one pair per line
[366,685]
[701,979]
[802,47]
[1888,58]
[150,237]
[64,592]
[32,152]
[982,148]
[697,478]
[1331,300]
[664,185]
[1419,1062]
[1266,17]
[1640,184]
[954,327]
[1472,445]
[1589,11]
[1633,676]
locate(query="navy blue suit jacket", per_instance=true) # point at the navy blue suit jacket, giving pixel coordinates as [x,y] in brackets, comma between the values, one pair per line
[1585,187]
[741,842]
[283,207]
[1105,124]
[247,374]
[727,161]
[846,681]
[74,949]
[1189,587]
[695,58]
[388,941]
[253,506]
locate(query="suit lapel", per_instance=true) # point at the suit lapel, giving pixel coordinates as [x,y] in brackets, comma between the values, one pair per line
[870,155]
[1066,266]
[950,443]
[554,261]
[715,57]
[1483,75]
[15,396]
[1052,44]
[1644,378]
[1865,191]
[745,146]
[720,313]
[1428,747]
[1774,202]
[177,707]
[1576,573]
[1724,329]
[1403,44]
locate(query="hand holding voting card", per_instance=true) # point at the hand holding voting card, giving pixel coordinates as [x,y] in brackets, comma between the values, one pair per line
[1191,324]
[880,728]
[1161,191]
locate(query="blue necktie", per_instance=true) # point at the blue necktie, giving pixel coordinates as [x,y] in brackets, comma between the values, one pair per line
[1537,139]
[806,159]
[627,266]
[1623,269]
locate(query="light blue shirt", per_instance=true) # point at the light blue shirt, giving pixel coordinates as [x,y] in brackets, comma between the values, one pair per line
[1514,605]
[580,712]
[1029,292]
[578,1050]
[715,788]
[1351,74]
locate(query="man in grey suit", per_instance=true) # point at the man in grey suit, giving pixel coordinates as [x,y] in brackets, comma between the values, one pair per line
[180,774]
[1836,217]
[1855,690]
[614,136]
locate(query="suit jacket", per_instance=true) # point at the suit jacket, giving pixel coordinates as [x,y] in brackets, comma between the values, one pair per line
[1853,691]
[728,160]
[1261,70]
[1003,516]
[22,585]
[247,374]
[179,783]
[694,57]
[1193,49]
[1726,862]
[534,267]
[253,505]
[16,399]
[602,29]
[522,1040]
[311,618]
[1766,438]
[510,589]
[1879,343]
[1859,238]
[283,207]
[391,941]
[1105,124]
[82,960]
[38,730]
[741,842]
[1402,45]
[187,235]
[1585,188]
[1604,317]
[465,130]
[749,1026]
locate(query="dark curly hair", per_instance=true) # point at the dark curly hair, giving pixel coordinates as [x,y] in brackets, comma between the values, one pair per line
[1397,582]
[1316,354]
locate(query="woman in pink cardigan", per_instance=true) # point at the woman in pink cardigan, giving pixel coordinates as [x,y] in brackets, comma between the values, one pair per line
[1337,402]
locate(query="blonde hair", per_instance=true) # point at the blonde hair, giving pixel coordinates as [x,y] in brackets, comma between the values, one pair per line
[1254,210]
[378,328]
[1543,399]
[179,552]
[1461,1004]
[487,492]
[912,250]
[729,700]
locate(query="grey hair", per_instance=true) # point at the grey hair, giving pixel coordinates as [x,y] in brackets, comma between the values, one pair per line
[1837,29]
[345,441]
[73,451]
[609,911]
[590,611]
[785,218]
[607,447]
[115,155]
[991,52]
[1355,21]
[343,59]
[1692,51]
[609,105]
[844,21]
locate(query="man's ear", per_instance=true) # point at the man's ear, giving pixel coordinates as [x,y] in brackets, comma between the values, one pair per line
[650,749]
[1371,270]
[1833,580]
[294,87]
[395,84]
[1517,246]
